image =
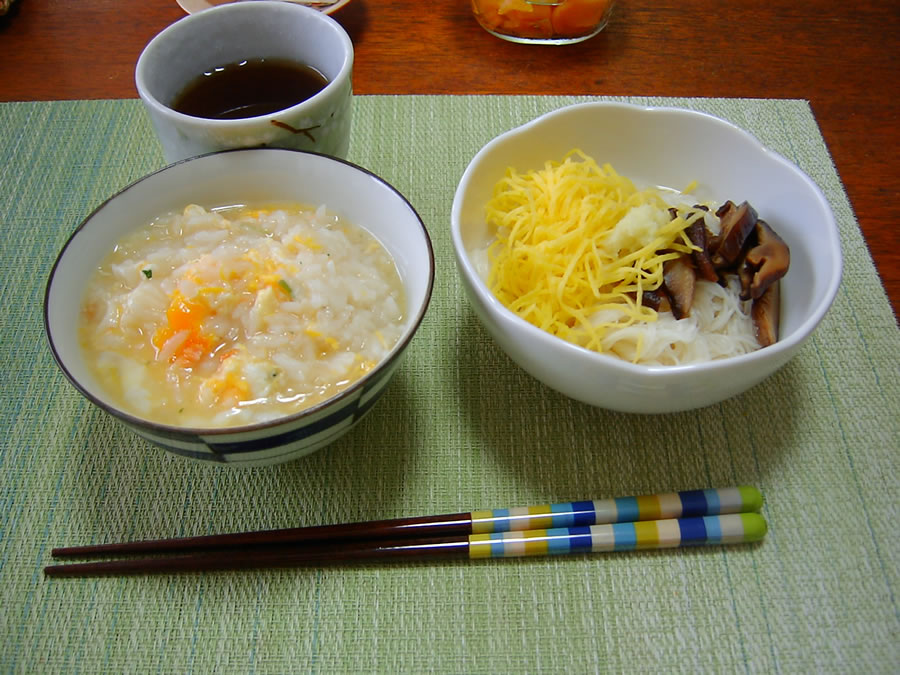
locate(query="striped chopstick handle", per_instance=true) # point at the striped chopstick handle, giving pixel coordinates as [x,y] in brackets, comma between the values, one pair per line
[736,528]
[686,504]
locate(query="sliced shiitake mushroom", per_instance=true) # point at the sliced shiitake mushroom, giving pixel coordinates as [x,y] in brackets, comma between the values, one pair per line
[657,300]
[699,237]
[737,224]
[765,262]
[680,278]
[765,313]
[745,272]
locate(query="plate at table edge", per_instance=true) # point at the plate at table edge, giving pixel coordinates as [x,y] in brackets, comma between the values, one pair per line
[194,6]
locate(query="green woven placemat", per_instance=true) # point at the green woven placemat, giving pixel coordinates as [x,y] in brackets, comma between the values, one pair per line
[460,428]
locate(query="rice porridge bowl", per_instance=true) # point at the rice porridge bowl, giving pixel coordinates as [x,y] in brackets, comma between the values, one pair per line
[243,314]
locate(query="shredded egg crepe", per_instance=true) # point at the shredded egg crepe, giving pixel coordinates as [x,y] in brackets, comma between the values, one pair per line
[577,245]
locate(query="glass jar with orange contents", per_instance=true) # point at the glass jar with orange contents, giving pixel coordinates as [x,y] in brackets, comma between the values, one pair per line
[555,22]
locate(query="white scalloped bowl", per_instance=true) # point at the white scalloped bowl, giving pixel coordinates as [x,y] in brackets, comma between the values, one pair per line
[669,147]
[256,175]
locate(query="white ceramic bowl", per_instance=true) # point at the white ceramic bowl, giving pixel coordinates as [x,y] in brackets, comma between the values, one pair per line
[232,177]
[666,147]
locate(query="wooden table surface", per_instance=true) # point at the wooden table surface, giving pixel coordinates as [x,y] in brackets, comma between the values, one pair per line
[842,57]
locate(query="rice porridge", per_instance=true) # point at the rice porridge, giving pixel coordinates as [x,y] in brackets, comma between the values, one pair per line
[239,315]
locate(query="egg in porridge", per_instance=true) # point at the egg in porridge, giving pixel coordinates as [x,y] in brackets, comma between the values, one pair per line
[234,316]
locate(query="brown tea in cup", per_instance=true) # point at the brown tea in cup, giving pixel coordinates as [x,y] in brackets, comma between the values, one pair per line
[249,88]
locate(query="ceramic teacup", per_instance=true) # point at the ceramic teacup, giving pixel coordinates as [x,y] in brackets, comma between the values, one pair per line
[233,33]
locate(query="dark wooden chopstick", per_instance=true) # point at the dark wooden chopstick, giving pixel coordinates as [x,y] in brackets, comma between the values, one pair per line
[289,555]
[398,528]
